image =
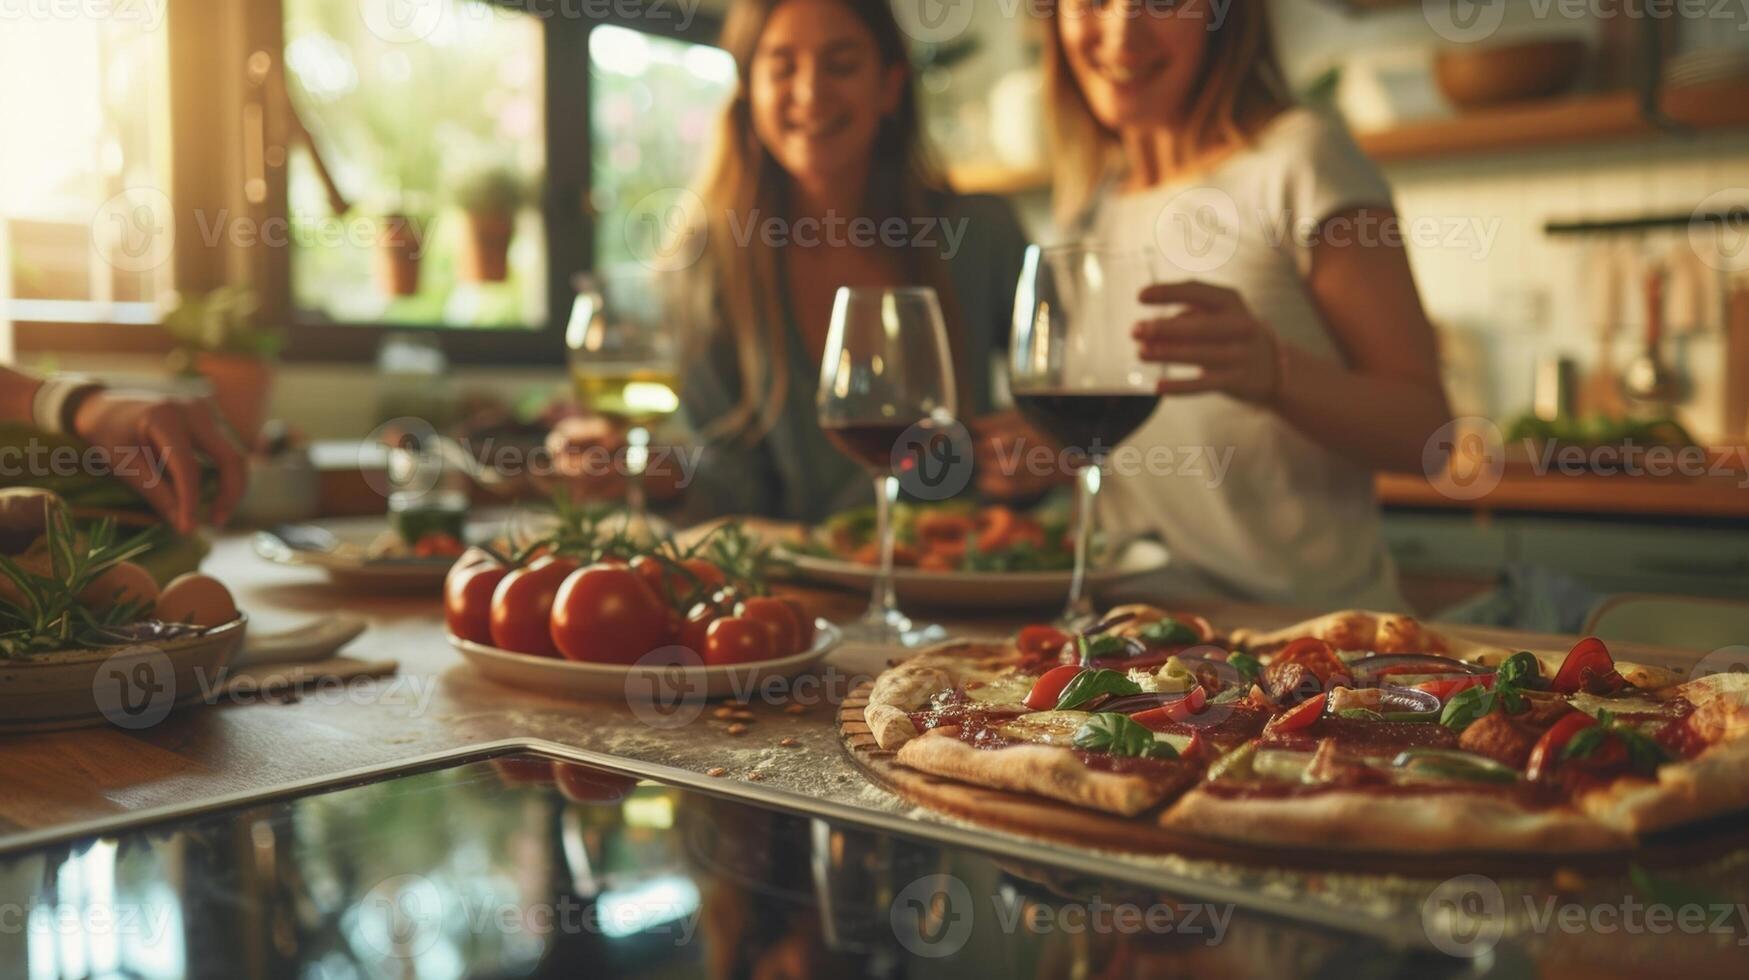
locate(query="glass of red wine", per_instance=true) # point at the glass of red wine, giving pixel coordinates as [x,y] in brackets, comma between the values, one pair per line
[1074,372]
[886,372]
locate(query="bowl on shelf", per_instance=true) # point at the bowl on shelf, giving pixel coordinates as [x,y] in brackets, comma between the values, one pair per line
[1475,78]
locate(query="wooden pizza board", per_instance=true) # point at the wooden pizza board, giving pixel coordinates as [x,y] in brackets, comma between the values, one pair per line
[1037,816]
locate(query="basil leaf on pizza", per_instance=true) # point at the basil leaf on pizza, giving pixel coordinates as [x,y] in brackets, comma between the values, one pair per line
[1168,632]
[1249,667]
[1466,707]
[1118,734]
[1090,684]
[1520,670]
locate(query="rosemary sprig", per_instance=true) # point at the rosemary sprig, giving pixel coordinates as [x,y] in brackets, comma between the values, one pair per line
[47,614]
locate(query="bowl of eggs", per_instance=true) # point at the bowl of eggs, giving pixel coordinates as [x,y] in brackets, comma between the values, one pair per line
[87,637]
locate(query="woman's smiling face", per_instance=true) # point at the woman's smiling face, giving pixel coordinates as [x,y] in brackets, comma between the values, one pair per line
[818,89]
[1135,60]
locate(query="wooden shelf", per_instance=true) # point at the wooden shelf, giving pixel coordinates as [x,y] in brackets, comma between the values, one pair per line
[997,179]
[1575,120]
[1570,121]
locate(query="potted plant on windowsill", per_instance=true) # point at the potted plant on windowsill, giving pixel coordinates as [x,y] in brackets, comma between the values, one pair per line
[217,338]
[400,242]
[489,200]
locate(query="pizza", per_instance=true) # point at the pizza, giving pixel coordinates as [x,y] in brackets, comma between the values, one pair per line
[1308,737]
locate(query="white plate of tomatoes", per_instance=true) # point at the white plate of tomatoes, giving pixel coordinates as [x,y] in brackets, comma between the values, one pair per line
[672,677]
[605,627]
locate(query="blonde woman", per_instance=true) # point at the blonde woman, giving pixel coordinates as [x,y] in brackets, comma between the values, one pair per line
[821,179]
[1291,294]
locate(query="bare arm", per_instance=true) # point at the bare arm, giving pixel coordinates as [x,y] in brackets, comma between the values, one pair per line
[17,396]
[1379,409]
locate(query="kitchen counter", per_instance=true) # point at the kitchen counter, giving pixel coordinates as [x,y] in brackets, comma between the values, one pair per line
[1724,497]
[438,705]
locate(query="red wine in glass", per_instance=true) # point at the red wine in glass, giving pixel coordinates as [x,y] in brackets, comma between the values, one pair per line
[869,443]
[1089,422]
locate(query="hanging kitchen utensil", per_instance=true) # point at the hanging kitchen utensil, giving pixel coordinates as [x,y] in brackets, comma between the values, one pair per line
[1649,379]
[1736,399]
[1600,394]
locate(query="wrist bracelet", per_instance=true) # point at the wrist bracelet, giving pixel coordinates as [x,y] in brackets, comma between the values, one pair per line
[56,401]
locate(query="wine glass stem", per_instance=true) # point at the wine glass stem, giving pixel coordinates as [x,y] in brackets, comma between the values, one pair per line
[883,603]
[1087,483]
[637,460]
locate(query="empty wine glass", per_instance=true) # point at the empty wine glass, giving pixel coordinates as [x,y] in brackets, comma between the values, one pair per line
[886,371]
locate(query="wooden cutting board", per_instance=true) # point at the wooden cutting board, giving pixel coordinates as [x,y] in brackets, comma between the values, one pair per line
[1062,823]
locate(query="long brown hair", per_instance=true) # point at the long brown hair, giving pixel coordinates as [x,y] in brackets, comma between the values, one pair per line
[741,178]
[1240,84]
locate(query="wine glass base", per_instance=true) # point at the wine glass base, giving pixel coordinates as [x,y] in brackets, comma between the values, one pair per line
[879,627]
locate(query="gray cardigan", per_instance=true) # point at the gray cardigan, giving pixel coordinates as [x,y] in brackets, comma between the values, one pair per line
[793,472]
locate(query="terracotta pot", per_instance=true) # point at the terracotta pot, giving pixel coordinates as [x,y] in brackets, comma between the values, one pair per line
[1472,78]
[485,252]
[241,384]
[397,258]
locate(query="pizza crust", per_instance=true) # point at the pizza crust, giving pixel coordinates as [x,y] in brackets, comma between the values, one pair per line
[1361,821]
[1378,632]
[1711,784]
[1042,770]
[906,688]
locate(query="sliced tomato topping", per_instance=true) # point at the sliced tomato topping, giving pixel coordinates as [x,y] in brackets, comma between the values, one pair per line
[1302,715]
[1444,689]
[1315,655]
[1547,750]
[1040,642]
[1191,704]
[1588,667]
[1049,687]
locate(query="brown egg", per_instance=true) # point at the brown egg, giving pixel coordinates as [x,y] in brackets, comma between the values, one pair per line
[121,583]
[197,599]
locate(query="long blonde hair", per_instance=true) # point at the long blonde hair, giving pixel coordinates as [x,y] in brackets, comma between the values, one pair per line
[741,177]
[1240,81]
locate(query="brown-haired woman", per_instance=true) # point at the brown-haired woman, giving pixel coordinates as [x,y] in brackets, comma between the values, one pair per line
[1172,128]
[821,179]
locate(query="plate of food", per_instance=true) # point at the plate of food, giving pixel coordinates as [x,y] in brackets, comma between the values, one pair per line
[1351,738]
[411,552]
[965,555]
[592,611]
[87,635]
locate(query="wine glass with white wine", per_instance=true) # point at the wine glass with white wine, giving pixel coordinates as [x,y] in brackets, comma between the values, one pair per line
[624,368]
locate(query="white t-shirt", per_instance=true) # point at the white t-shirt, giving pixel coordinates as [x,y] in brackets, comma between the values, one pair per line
[1251,508]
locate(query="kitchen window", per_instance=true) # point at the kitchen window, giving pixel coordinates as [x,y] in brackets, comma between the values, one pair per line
[83,210]
[361,200]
